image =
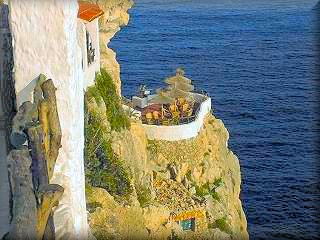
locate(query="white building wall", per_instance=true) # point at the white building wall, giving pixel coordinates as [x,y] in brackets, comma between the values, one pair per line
[179,132]
[45,41]
[93,29]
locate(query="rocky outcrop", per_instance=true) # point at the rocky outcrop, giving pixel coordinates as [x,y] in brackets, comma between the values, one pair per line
[115,16]
[199,178]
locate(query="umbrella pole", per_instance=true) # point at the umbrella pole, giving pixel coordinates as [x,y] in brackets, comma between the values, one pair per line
[162,111]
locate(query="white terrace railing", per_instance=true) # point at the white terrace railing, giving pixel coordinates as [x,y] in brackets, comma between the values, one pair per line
[182,131]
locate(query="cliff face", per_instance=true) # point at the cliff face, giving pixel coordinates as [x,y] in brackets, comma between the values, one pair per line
[173,177]
[170,182]
[115,16]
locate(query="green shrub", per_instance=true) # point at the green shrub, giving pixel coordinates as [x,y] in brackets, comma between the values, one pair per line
[205,189]
[223,225]
[115,113]
[211,225]
[215,196]
[144,196]
[88,190]
[93,92]
[102,167]
[189,175]
[218,182]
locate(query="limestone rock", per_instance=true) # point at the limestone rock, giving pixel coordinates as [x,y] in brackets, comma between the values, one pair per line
[115,16]
[177,172]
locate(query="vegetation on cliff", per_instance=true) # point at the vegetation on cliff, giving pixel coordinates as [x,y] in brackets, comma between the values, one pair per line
[102,167]
[195,176]
[129,177]
[107,91]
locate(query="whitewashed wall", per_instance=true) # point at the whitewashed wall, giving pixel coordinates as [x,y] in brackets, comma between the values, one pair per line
[93,29]
[45,41]
[179,132]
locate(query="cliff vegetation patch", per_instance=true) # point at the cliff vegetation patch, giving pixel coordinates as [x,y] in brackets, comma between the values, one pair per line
[103,167]
[106,89]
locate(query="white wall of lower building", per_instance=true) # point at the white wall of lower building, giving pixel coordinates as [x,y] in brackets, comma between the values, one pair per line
[90,70]
[45,41]
[179,132]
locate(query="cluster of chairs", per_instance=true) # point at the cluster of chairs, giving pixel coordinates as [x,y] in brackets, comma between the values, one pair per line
[171,114]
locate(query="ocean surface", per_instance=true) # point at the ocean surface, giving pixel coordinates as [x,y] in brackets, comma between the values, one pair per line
[258,60]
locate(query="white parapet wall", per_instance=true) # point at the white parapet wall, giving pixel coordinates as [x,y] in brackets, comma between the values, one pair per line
[183,131]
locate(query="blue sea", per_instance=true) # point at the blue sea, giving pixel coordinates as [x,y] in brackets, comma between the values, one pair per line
[259,62]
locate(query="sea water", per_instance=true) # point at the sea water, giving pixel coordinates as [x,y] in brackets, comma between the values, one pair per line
[258,61]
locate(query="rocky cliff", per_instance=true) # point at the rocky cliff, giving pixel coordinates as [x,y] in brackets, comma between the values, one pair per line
[151,189]
[115,16]
[170,179]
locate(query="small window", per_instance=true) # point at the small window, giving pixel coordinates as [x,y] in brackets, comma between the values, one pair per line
[188,224]
[90,49]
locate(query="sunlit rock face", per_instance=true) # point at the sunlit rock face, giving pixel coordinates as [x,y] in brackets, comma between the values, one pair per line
[45,41]
[171,172]
[115,16]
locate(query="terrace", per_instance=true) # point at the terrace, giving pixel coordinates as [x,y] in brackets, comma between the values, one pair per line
[173,113]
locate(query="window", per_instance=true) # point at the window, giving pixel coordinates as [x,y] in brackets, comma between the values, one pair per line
[90,49]
[188,224]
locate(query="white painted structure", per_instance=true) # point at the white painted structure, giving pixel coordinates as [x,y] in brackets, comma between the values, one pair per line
[48,38]
[88,32]
[142,102]
[183,131]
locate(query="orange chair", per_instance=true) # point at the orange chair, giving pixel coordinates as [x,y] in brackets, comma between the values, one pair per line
[173,108]
[181,101]
[156,115]
[185,107]
[149,118]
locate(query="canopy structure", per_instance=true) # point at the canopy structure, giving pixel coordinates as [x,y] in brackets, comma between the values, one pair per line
[162,98]
[177,93]
[182,86]
[179,86]
[179,81]
[179,77]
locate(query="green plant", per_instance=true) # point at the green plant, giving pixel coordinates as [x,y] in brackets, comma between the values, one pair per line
[102,167]
[144,196]
[115,113]
[203,190]
[189,175]
[215,196]
[223,225]
[94,93]
[88,190]
[218,182]
[211,225]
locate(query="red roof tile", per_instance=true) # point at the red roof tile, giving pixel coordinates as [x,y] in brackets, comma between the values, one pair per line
[89,11]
